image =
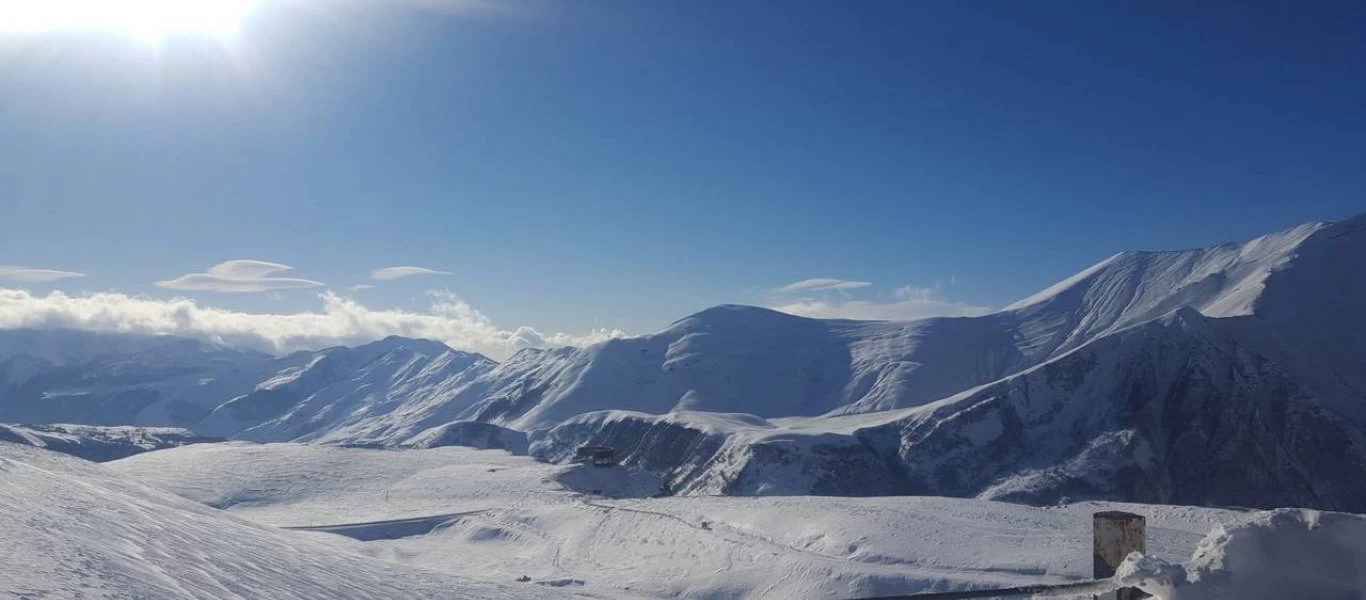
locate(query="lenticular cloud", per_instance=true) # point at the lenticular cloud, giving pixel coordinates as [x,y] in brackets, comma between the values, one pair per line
[240,276]
[342,321]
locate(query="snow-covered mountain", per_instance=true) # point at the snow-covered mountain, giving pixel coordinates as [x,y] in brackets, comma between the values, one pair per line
[99,444]
[59,376]
[1227,375]
[385,390]
[756,361]
[382,390]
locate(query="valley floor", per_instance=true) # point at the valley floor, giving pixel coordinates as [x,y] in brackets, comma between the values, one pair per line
[487,515]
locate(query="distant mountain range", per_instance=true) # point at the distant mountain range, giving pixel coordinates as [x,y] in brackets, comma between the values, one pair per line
[1231,375]
[97,443]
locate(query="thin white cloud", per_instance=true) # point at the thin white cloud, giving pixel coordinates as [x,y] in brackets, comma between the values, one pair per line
[30,274]
[822,284]
[388,273]
[361,287]
[906,304]
[239,276]
[341,321]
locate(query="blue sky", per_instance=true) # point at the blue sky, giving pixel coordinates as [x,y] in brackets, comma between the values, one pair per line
[619,164]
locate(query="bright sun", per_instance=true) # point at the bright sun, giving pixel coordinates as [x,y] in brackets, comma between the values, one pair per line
[146,19]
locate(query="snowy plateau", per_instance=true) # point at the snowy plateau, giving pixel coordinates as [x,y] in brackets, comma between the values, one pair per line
[762,455]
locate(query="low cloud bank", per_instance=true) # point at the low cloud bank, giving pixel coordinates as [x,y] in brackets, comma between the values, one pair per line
[342,321]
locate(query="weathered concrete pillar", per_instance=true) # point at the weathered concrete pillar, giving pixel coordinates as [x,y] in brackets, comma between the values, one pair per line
[1114,535]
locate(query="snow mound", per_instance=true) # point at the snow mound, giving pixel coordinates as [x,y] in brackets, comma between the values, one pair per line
[273,483]
[1286,553]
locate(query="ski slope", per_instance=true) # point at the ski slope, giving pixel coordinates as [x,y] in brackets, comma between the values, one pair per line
[517,517]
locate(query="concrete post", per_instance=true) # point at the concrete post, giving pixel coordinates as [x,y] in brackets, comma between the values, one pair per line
[1114,535]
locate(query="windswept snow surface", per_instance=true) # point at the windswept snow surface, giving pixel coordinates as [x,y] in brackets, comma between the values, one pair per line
[501,517]
[74,529]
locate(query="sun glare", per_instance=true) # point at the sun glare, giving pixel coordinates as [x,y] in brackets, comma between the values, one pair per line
[145,19]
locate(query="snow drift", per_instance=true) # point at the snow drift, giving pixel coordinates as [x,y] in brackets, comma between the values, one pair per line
[1287,553]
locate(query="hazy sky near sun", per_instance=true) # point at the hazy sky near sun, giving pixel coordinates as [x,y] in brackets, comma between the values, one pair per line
[495,173]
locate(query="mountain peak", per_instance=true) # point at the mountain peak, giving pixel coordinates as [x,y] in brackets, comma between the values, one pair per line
[431,348]
[1223,280]
[724,315]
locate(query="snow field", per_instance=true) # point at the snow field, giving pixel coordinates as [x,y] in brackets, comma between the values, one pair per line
[522,522]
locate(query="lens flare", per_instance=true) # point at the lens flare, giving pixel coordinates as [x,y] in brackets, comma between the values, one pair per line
[145,19]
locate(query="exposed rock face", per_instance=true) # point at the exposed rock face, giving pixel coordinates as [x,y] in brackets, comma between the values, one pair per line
[471,434]
[1170,412]
[731,454]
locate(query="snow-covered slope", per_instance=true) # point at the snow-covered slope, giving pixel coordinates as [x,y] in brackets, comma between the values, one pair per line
[737,454]
[1180,410]
[748,360]
[387,390]
[1171,411]
[74,529]
[97,443]
[1133,287]
[500,517]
